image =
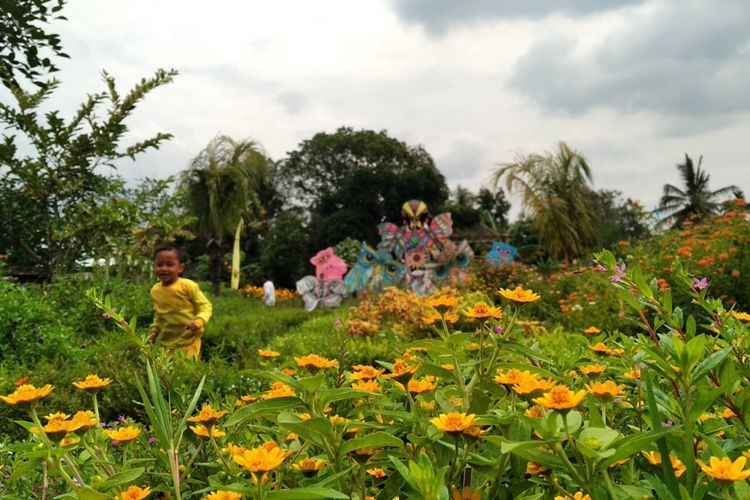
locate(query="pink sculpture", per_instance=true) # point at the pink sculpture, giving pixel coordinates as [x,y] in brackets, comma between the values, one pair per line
[328,265]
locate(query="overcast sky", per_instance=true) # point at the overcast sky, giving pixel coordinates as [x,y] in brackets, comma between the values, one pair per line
[633,85]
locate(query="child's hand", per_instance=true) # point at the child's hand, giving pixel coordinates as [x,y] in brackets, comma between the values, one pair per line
[193,326]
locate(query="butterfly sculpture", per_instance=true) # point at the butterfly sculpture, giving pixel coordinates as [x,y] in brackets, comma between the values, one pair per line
[326,287]
[500,254]
[375,269]
[451,265]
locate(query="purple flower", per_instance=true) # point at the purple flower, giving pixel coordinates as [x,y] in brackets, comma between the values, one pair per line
[668,423]
[152,440]
[106,315]
[115,442]
[619,273]
[700,284]
[498,330]
[121,418]
[600,269]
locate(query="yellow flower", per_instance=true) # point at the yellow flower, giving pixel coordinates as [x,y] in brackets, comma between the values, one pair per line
[278,390]
[600,348]
[267,353]
[535,469]
[453,422]
[604,390]
[315,362]
[475,431]
[235,450]
[123,434]
[456,401]
[591,370]
[727,414]
[288,371]
[742,316]
[134,493]
[442,303]
[533,412]
[362,455]
[223,495]
[309,466]
[512,376]
[451,317]
[55,428]
[633,374]
[402,371]
[725,470]
[465,494]
[92,383]
[57,416]
[520,295]
[367,385]
[428,406]
[69,441]
[82,421]
[292,436]
[202,431]
[207,416]
[560,398]
[338,420]
[482,311]
[425,384]
[533,386]
[431,317]
[27,393]
[263,459]
[654,458]
[366,372]
[592,330]
[304,416]
[578,496]
[377,473]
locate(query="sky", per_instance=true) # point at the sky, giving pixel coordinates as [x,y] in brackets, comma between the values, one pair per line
[633,85]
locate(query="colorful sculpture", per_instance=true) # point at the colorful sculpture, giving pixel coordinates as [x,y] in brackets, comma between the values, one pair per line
[375,269]
[326,287]
[500,254]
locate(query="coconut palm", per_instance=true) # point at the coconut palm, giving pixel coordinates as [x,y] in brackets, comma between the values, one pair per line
[696,200]
[221,185]
[555,189]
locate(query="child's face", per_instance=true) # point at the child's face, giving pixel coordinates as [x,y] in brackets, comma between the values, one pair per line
[168,267]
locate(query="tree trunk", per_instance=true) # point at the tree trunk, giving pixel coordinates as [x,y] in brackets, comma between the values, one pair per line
[215,266]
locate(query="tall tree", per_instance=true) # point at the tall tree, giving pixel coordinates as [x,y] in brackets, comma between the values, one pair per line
[221,185]
[555,189]
[696,199]
[349,181]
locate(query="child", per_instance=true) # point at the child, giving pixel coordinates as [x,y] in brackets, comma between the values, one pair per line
[181,309]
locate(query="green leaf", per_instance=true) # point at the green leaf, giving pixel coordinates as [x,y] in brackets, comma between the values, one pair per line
[631,445]
[121,478]
[312,384]
[305,493]
[88,493]
[374,440]
[710,363]
[340,394]
[265,408]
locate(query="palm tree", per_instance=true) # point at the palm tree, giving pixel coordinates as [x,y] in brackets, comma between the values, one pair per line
[221,186]
[555,189]
[696,199]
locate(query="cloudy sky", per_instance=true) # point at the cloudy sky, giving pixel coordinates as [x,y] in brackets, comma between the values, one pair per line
[632,84]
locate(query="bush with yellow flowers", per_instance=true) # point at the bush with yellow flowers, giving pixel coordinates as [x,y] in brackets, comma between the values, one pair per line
[476,409]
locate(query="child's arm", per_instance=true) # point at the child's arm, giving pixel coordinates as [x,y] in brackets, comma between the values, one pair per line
[204,308]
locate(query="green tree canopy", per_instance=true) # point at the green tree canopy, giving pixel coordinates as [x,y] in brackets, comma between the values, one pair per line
[349,181]
[696,199]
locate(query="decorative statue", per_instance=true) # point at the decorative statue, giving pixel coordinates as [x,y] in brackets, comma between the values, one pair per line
[500,254]
[326,286]
[375,269]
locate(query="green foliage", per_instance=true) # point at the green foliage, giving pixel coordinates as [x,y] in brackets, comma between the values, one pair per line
[286,250]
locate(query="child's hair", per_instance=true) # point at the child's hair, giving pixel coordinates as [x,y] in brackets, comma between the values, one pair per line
[169,248]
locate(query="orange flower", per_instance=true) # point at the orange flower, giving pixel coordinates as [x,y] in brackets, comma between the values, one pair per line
[454,422]
[207,416]
[377,473]
[263,459]
[367,385]
[742,316]
[27,393]
[428,406]
[465,494]
[203,431]
[512,376]
[134,493]
[123,434]
[55,429]
[535,469]
[654,458]
[309,466]
[533,412]
[482,311]
[633,374]
[592,330]
[278,390]
[223,495]
[315,362]
[591,370]
[442,303]
[560,399]
[366,372]
[519,295]
[235,450]
[451,317]
[475,432]
[578,496]
[82,421]
[92,383]
[425,384]
[288,371]
[735,273]
[725,470]
[532,387]
[604,390]
[267,353]
[402,371]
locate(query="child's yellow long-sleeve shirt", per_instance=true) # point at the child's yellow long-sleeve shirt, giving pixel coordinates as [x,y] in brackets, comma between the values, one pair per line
[175,306]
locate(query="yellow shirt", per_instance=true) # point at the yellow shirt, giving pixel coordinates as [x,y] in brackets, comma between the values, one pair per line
[175,306]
